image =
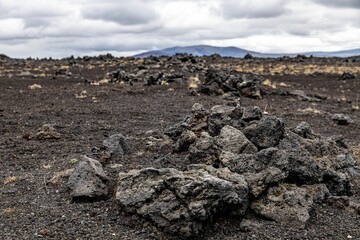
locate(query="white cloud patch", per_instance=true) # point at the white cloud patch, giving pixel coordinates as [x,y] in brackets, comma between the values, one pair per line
[60,28]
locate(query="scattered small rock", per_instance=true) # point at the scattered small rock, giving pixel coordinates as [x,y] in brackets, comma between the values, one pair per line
[248,225]
[347,76]
[116,145]
[341,119]
[304,130]
[47,131]
[88,180]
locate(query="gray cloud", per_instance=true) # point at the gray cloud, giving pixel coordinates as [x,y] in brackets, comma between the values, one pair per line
[233,9]
[61,28]
[124,13]
[342,3]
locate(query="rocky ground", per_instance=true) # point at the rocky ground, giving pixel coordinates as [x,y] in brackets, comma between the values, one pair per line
[206,148]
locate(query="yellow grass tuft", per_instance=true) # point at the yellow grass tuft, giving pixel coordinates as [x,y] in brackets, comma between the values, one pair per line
[82,95]
[268,83]
[356,153]
[8,211]
[193,82]
[35,86]
[10,180]
[309,110]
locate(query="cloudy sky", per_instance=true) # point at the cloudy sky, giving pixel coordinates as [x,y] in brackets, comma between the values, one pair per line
[60,28]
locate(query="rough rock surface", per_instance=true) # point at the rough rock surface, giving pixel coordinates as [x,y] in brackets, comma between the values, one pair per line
[218,82]
[347,76]
[204,150]
[181,202]
[88,181]
[289,204]
[341,119]
[286,170]
[266,133]
[253,163]
[233,140]
[116,145]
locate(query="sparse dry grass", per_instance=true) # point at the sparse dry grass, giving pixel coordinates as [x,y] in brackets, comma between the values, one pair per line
[8,211]
[296,68]
[268,83]
[193,82]
[309,110]
[356,153]
[35,86]
[10,180]
[355,105]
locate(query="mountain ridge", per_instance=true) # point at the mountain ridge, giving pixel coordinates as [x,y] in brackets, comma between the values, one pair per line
[231,51]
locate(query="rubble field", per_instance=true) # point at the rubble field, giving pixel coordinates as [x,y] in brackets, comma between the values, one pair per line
[179,147]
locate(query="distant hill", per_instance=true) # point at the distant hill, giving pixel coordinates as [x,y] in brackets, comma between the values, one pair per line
[344,53]
[205,50]
[3,56]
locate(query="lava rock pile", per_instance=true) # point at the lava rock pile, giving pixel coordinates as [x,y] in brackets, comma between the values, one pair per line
[241,161]
[218,82]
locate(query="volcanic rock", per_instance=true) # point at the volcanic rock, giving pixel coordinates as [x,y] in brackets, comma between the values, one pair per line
[204,150]
[233,140]
[116,145]
[341,119]
[254,163]
[120,75]
[218,82]
[266,133]
[304,130]
[223,115]
[347,76]
[88,181]
[182,202]
[288,204]
[251,114]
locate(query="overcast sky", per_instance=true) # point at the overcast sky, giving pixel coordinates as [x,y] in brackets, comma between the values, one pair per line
[61,28]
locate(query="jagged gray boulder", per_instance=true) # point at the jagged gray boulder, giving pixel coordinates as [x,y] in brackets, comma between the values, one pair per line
[318,161]
[199,111]
[259,182]
[175,131]
[88,181]
[221,115]
[204,150]
[289,204]
[233,140]
[181,202]
[116,145]
[251,114]
[185,140]
[304,130]
[254,163]
[266,133]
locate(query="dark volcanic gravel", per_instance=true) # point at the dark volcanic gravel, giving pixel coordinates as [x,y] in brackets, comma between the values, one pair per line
[85,115]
